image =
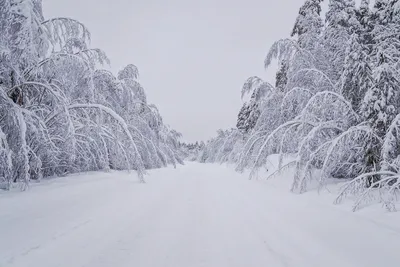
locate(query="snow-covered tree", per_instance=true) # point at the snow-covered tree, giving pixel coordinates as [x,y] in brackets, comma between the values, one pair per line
[250,111]
[308,25]
[335,108]
[341,23]
[60,113]
[282,77]
[248,117]
[356,77]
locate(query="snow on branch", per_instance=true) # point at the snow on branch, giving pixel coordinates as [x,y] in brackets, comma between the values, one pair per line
[138,162]
[60,30]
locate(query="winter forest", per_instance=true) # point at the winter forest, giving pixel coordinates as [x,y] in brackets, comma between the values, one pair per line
[61,113]
[92,174]
[332,114]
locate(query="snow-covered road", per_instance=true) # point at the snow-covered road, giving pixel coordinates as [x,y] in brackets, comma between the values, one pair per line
[197,215]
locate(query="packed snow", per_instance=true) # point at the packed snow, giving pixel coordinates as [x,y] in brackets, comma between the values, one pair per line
[195,215]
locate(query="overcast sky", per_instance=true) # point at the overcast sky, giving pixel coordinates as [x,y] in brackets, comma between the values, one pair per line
[193,56]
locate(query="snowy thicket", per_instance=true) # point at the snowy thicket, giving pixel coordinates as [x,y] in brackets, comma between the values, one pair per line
[61,113]
[190,152]
[335,105]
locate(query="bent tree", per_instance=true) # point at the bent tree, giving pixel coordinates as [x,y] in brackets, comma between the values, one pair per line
[61,113]
[334,112]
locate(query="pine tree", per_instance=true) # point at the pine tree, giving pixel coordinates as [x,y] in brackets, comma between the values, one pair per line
[386,11]
[341,13]
[308,25]
[248,117]
[363,13]
[356,78]
[282,76]
[382,102]
[341,23]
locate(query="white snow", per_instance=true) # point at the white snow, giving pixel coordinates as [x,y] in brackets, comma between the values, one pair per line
[197,215]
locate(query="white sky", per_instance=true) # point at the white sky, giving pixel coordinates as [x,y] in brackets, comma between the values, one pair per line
[193,56]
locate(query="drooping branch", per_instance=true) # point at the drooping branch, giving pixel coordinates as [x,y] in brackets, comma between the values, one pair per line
[121,122]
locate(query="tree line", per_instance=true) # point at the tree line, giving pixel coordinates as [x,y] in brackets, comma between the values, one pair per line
[61,112]
[334,108]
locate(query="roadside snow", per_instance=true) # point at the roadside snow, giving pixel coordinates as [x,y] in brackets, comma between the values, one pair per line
[197,215]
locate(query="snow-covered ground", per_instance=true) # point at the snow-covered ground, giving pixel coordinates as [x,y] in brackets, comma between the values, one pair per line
[197,215]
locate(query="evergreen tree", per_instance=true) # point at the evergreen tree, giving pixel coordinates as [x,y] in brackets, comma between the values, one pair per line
[364,18]
[308,25]
[363,13]
[386,11]
[356,78]
[281,77]
[380,107]
[341,23]
[382,101]
[248,117]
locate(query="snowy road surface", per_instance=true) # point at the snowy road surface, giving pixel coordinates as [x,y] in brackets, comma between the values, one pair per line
[197,215]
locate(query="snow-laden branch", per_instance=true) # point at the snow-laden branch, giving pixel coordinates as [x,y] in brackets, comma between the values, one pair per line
[122,123]
[45,86]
